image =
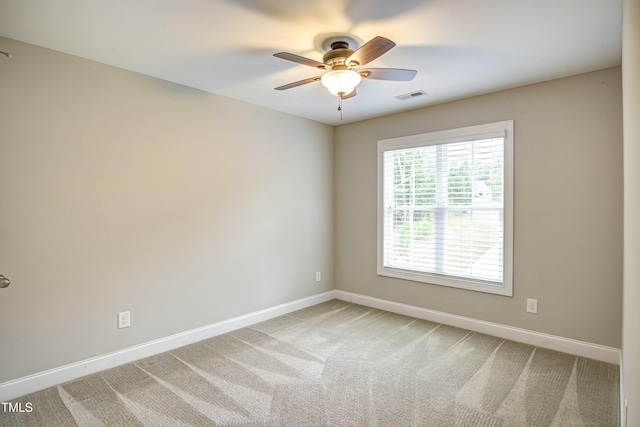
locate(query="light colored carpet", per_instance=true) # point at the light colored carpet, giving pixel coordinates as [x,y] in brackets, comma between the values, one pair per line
[339,364]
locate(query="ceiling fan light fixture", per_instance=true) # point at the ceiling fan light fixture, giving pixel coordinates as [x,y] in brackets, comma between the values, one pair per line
[341,82]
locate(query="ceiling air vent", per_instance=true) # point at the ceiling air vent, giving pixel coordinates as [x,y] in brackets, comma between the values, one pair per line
[411,95]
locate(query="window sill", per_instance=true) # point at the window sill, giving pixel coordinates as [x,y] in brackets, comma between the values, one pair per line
[497,288]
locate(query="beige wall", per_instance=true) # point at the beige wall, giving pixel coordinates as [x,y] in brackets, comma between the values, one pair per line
[568,207]
[631,102]
[123,192]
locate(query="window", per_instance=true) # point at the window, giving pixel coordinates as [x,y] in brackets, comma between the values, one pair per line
[445,208]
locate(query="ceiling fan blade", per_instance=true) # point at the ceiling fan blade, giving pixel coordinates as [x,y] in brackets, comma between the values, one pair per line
[299,83]
[300,59]
[351,95]
[371,50]
[396,74]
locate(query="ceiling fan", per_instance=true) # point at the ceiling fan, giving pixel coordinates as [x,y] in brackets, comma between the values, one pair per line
[344,66]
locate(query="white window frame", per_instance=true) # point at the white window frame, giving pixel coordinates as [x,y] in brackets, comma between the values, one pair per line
[471,133]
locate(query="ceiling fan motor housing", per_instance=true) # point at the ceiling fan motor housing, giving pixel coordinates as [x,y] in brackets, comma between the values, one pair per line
[336,57]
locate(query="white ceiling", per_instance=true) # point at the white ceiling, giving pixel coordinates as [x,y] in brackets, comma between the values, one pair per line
[460,48]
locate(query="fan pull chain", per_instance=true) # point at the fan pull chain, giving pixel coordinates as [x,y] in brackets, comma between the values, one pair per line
[340,106]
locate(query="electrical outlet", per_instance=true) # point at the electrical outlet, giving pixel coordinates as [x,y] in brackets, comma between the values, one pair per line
[318,276]
[532,306]
[124,319]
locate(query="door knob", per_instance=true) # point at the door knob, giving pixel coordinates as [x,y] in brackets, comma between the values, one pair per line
[4,282]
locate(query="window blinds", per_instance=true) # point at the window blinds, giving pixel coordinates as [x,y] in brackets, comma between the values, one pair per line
[443,209]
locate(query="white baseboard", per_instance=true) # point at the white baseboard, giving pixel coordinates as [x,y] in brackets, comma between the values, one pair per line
[552,342]
[19,387]
[39,381]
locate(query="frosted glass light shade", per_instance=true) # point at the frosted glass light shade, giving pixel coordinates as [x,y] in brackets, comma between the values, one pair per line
[341,82]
